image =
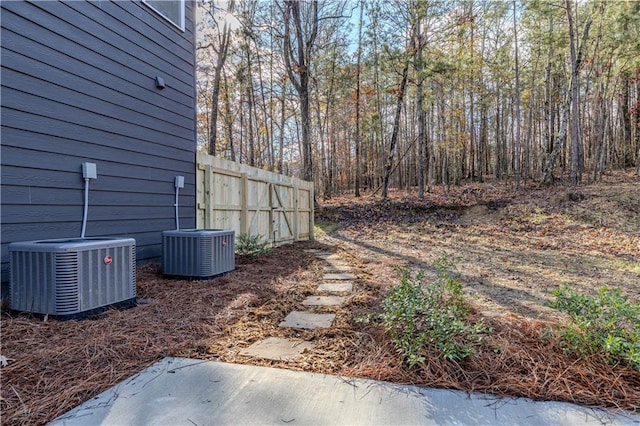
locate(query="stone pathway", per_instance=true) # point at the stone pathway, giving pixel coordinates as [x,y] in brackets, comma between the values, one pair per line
[337,279]
[277,348]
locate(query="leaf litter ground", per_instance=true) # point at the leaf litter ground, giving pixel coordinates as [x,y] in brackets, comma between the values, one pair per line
[513,249]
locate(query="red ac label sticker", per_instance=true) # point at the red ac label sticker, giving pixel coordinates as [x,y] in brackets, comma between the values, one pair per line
[108,260]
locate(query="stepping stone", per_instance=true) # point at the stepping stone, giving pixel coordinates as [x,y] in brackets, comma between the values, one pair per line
[323,301]
[336,287]
[322,254]
[299,319]
[336,262]
[313,251]
[328,256]
[339,276]
[277,349]
[337,268]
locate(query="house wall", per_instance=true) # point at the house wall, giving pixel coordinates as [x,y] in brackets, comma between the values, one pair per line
[78,85]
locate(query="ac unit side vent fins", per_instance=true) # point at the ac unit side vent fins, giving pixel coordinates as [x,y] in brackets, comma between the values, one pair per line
[68,278]
[198,253]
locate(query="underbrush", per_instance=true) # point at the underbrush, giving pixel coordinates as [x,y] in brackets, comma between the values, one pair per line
[608,323]
[423,319]
[251,246]
[420,316]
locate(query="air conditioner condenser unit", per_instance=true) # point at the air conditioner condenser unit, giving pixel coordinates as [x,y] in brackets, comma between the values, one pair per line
[72,277]
[198,253]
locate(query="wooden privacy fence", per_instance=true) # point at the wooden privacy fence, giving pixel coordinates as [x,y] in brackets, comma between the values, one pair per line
[252,201]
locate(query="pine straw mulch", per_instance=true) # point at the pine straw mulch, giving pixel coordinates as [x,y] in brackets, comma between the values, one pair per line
[56,365]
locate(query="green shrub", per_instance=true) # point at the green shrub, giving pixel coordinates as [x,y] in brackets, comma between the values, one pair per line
[251,246]
[608,322]
[417,315]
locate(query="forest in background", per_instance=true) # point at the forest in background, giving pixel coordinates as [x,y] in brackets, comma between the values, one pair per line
[364,95]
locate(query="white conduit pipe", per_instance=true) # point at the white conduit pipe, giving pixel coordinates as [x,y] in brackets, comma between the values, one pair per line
[176,206]
[86,207]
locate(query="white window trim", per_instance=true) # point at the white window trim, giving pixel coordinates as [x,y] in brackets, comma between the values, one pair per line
[182,13]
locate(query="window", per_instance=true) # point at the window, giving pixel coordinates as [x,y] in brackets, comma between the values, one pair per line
[171,10]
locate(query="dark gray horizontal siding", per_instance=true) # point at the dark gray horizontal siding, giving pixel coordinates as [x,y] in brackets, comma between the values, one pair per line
[65,23]
[83,81]
[99,213]
[153,37]
[19,176]
[39,196]
[16,121]
[26,93]
[102,229]
[78,86]
[96,68]
[101,146]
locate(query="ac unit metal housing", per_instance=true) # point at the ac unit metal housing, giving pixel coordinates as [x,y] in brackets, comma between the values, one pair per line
[72,278]
[198,253]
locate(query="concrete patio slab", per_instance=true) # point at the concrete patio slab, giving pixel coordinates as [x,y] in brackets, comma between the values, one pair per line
[277,349]
[339,287]
[310,320]
[181,391]
[339,276]
[323,301]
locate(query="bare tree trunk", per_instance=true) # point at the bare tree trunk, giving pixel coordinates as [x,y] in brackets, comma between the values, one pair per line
[548,109]
[282,124]
[419,67]
[576,62]
[229,120]
[357,136]
[431,149]
[326,193]
[215,95]
[518,146]
[222,51]
[627,150]
[250,107]
[472,118]
[298,68]
[577,163]
[601,117]
[264,128]
[251,137]
[323,128]
[396,128]
[482,137]
[530,132]
[499,172]
[560,139]
[637,124]
[483,164]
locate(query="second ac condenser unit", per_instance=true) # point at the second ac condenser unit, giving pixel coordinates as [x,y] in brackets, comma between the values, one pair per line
[72,277]
[198,253]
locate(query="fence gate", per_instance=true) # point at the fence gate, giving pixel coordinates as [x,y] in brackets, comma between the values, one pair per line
[253,201]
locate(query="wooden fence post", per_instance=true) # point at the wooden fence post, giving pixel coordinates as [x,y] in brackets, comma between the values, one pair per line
[244,209]
[208,196]
[296,212]
[311,212]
